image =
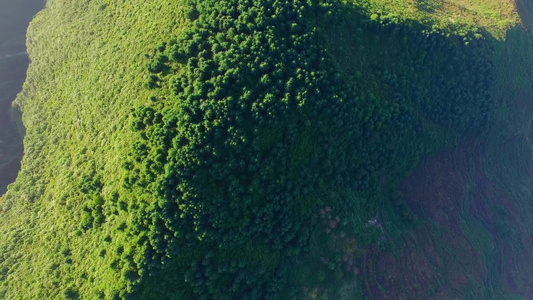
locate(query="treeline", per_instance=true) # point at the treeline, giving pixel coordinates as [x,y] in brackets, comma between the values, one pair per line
[257,117]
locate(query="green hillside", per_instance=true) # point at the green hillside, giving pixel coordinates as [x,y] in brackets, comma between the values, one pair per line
[232,149]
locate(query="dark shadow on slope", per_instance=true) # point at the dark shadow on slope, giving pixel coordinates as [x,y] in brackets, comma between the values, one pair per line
[472,202]
[14,19]
[525,10]
[468,199]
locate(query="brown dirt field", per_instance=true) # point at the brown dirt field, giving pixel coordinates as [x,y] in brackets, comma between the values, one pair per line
[438,260]
[434,192]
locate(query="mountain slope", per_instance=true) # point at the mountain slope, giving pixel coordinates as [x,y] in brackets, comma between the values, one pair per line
[259,149]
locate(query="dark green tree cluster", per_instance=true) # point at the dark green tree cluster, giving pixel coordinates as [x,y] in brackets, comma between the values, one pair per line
[255,122]
[91,186]
[444,78]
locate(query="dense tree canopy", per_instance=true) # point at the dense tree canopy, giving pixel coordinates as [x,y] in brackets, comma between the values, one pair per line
[253,125]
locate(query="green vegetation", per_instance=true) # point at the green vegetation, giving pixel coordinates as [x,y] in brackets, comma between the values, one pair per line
[231,149]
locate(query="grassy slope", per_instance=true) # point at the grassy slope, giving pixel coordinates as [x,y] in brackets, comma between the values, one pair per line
[87,73]
[75,100]
[494,16]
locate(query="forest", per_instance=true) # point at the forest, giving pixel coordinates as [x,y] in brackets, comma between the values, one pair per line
[266,149]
